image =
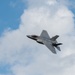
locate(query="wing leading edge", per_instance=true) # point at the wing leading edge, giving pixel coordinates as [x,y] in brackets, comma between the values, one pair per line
[44,34]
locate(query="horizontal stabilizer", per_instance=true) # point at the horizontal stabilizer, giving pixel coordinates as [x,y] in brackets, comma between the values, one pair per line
[54,38]
[58,48]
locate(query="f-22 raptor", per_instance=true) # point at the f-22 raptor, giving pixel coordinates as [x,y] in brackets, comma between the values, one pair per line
[44,38]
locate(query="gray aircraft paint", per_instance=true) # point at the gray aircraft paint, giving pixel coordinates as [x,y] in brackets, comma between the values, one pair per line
[44,38]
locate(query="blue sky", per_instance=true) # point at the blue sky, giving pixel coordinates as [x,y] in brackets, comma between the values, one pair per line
[21,56]
[10,12]
[5,68]
[72,5]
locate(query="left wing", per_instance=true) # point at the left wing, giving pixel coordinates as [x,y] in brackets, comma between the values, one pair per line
[44,34]
[49,46]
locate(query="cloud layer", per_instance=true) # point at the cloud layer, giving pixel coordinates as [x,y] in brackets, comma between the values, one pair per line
[25,56]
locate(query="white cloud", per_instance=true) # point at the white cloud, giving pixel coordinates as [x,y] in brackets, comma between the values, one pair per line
[29,58]
[52,2]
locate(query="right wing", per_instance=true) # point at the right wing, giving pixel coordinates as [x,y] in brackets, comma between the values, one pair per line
[49,46]
[44,34]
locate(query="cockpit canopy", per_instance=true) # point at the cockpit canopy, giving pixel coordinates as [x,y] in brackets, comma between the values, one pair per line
[34,36]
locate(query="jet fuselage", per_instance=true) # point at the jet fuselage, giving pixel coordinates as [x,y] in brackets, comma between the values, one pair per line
[44,38]
[39,40]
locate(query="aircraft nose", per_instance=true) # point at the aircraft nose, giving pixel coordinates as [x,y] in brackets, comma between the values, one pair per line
[28,36]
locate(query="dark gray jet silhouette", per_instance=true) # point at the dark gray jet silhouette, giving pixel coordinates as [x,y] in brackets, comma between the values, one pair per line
[51,43]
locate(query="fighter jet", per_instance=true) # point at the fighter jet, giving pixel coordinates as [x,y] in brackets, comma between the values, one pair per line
[44,38]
